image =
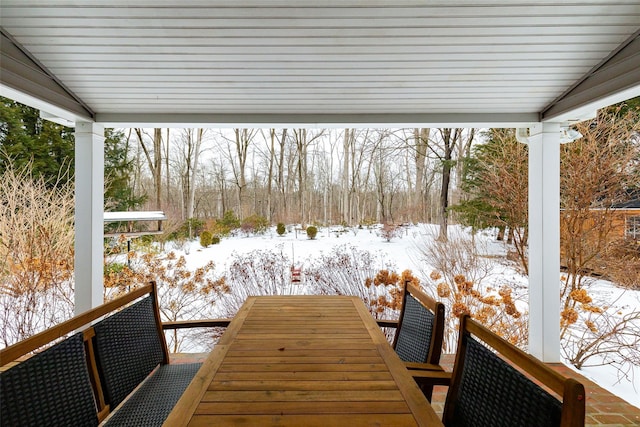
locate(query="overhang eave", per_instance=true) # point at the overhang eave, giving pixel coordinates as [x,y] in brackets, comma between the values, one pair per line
[615,79]
[26,81]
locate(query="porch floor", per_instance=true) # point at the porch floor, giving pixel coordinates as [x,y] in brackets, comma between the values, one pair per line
[603,408]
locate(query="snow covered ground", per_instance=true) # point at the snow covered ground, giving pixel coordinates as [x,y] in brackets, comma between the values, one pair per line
[402,253]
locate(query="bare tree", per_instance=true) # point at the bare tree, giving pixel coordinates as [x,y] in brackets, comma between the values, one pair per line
[347,144]
[463,155]
[167,168]
[188,162]
[272,159]
[421,137]
[282,187]
[303,139]
[448,138]
[596,171]
[153,154]
[237,153]
[447,144]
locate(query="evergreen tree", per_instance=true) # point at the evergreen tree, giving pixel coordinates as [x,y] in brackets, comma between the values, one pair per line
[50,149]
[27,138]
[118,195]
[491,201]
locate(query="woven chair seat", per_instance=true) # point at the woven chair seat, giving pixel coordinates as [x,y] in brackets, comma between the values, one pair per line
[153,401]
[128,348]
[115,371]
[414,337]
[51,388]
[497,395]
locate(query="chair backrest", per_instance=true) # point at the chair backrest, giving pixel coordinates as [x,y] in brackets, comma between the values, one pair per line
[52,388]
[485,390]
[129,345]
[420,328]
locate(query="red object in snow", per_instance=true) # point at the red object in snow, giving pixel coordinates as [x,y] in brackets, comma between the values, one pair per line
[296,274]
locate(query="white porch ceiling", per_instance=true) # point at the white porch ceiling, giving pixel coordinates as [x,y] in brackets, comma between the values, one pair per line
[309,61]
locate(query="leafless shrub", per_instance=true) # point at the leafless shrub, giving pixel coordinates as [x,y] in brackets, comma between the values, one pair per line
[621,264]
[182,294]
[170,228]
[347,270]
[596,336]
[389,231]
[460,255]
[259,272]
[597,169]
[36,254]
[458,280]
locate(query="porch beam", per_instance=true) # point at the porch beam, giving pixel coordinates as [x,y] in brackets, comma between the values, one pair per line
[544,242]
[89,226]
[325,120]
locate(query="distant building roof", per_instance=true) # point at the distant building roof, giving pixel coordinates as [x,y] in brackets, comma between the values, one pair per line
[632,200]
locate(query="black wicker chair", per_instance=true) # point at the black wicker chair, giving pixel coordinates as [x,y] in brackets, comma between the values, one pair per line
[52,388]
[121,360]
[485,390]
[129,345]
[419,333]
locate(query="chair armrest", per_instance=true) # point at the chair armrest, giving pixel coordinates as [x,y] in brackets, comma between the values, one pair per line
[431,377]
[204,323]
[422,366]
[387,323]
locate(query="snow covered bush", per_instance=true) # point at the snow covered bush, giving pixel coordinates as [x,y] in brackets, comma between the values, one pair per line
[259,272]
[389,231]
[463,280]
[595,332]
[348,270]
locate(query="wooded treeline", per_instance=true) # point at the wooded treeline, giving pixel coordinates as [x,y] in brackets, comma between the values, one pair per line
[323,176]
[326,176]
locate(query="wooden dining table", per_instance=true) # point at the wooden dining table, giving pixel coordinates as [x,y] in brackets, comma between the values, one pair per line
[303,361]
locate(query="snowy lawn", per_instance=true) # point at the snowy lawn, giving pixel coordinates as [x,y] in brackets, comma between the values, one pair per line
[402,253]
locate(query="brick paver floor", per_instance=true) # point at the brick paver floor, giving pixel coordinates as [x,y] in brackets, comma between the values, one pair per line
[603,408]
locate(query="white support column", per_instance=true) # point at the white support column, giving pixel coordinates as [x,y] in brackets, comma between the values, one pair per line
[89,170]
[544,242]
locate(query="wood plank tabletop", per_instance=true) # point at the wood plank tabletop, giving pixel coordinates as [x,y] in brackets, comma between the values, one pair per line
[303,361]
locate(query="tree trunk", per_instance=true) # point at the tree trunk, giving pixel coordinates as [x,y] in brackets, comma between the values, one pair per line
[301,168]
[422,140]
[194,170]
[167,174]
[346,206]
[449,139]
[272,134]
[155,163]
[157,151]
[281,181]
[242,140]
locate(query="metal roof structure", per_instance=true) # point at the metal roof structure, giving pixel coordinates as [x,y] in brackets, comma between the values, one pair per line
[271,62]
